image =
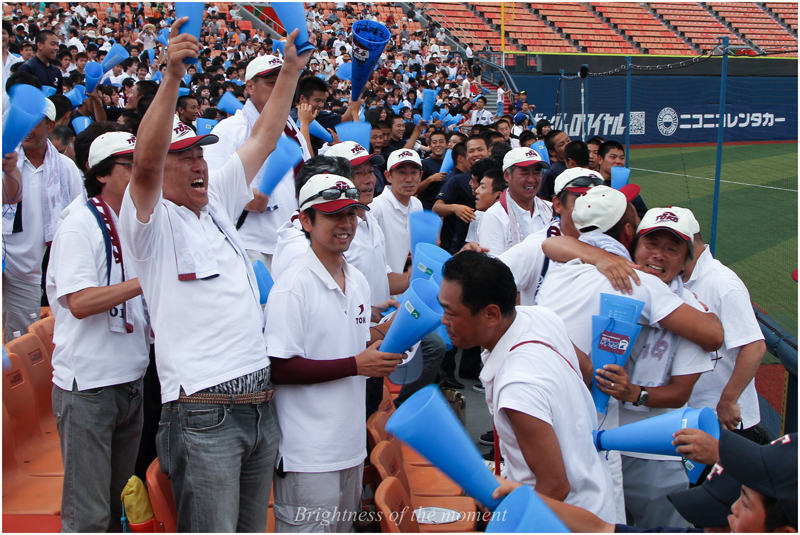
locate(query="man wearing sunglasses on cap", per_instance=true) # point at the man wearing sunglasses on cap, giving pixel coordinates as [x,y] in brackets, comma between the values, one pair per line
[217,439]
[318,336]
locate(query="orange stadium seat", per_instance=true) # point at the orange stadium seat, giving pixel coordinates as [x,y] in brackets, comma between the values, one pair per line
[392,502]
[160,490]
[33,356]
[44,330]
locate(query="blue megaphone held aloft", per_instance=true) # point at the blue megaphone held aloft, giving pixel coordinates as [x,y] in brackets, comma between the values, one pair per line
[417,118]
[427,260]
[286,155]
[229,104]
[426,423]
[163,39]
[424,228]
[25,112]
[358,132]
[345,71]
[455,120]
[278,45]
[264,279]
[436,114]
[94,72]
[418,315]
[156,77]
[48,90]
[619,177]
[151,54]
[205,126]
[447,162]
[193,10]
[292,15]
[116,55]
[183,91]
[80,123]
[369,40]
[317,130]
[77,95]
[523,511]
[542,151]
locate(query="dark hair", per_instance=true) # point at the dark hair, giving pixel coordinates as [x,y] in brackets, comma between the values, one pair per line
[578,152]
[438,132]
[8,28]
[22,78]
[42,36]
[488,135]
[63,133]
[459,150]
[83,142]
[456,133]
[498,179]
[334,165]
[478,138]
[62,104]
[480,167]
[548,139]
[183,101]
[526,136]
[484,281]
[776,517]
[596,140]
[499,151]
[607,146]
[211,113]
[143,104]
[309,85]
[131,121]
[146,87]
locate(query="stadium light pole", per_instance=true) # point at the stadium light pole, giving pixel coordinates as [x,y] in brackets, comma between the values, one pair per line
[720,136]
[628,113]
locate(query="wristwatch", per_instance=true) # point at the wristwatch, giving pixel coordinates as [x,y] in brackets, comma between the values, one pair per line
[643,397]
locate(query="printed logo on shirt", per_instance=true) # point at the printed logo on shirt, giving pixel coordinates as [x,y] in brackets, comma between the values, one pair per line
[614,343]
[667,216]
[360,319]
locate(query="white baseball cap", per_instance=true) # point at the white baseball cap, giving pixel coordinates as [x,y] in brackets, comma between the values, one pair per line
[602,207]
[355,153]
[320,193]
[679,221]
[577,180]
[523,157]
[49,109]
[401,156]
[262,66]
[110,144]
[184,137]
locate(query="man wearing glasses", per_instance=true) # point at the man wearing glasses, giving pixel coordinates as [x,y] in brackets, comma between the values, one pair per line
[318,336]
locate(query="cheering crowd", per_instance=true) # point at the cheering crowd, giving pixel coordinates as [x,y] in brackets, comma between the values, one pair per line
[142,230]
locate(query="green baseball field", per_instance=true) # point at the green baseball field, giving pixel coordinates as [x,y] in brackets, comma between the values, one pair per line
[757,222]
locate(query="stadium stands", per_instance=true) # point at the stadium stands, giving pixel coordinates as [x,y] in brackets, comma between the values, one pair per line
[696,24]
[463,23]
[586,28]
[786,12]
[755,25]
[643,27]
[524,28]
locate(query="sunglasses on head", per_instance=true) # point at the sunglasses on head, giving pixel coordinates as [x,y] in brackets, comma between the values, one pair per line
[332,194]
[585,182]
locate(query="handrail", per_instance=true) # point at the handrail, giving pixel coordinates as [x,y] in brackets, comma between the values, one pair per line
[779,342]
[428,7]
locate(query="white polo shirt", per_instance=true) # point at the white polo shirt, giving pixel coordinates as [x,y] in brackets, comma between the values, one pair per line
[260,229]
[547,385]
[725,294]
[495,230]
[82,347]
[309,316]
[292,244]
[392,217]
[207,331]
[526,260]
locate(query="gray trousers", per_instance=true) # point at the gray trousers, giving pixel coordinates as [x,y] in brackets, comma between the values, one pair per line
[99,430]
[433,351]
[324,502]
[647,484]
[20,300]
[220,461]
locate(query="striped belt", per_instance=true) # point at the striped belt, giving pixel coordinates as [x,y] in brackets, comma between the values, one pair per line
[256,398]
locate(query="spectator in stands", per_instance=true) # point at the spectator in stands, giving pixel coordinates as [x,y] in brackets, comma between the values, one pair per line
[612,154]
[43,65]
[455,203]
[432,179]
[543,128]
[593,145]
[501,103]
[62,137]
[555,142]
[8,59]
[186,110]
[576,154]
[481,115]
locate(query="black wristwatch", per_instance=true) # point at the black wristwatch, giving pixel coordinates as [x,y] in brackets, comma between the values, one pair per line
[644,396]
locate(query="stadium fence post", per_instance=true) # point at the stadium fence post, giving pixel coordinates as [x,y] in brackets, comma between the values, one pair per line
[561,89]
[628,114]
[720,137]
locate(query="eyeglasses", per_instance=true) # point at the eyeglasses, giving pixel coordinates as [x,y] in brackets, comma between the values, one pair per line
[584,182]
[332,194]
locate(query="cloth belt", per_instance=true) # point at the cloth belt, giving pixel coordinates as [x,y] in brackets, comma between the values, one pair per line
[255,398]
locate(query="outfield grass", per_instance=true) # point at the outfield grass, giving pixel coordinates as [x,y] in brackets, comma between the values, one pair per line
[757,225]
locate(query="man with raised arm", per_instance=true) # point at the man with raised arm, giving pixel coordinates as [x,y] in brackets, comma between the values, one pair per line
[217,439]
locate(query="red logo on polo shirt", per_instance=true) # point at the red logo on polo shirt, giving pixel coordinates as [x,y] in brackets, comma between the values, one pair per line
[359,319]
[667,216]
[614,343]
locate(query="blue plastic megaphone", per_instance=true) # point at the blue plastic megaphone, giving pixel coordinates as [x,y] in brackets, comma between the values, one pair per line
[116,55]
[80,123]
[292,15]
[436,114]
[447,162]
[48,90]
[612,341]
[409,371]
[25,112]
[620,307]
[427,260]
[619,177]
[358,132]
[183,91]
[424,228]
[455,120]
[654,435]
[317,130]
[205,126]
[542,151]
[94,72]
[229,104]
[345,71]
[369,40]
[523,511]
[151,53]
[77,95]
[417,118]
[156,76]
[163,39]
[193,10]
[278,45]
[286,155]
[418,315]
[264,279]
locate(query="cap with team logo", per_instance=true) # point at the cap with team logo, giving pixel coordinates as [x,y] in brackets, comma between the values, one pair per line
[708,505]
[355,153]
[402,156]
[329,194]
[110,144]
[577,180]
[183,137]
[602,207]
[523,157]
[673,219]
[262,66]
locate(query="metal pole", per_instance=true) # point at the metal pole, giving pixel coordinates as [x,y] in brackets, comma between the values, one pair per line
[720,136]
[586,88]
[628,114]
[561,98]
[583,109]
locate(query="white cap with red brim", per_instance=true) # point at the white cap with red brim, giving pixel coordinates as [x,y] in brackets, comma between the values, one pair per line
[355,153]
[523,157]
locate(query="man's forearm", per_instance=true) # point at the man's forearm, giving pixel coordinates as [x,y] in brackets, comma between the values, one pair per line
[444,210]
